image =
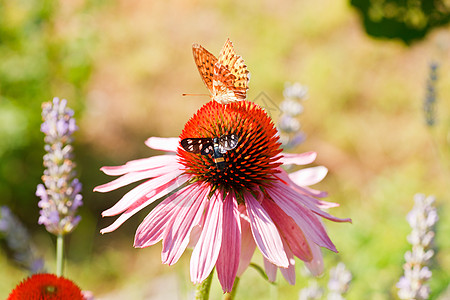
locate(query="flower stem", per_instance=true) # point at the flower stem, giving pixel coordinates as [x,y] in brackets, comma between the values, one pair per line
[230,296]
[202,292]
[59,254]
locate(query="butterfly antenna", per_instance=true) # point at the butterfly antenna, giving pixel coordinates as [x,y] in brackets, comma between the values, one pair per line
[194,95]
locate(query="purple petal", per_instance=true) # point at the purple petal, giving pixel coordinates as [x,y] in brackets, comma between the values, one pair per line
[303,217]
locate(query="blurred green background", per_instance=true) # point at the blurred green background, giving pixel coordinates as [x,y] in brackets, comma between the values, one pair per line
[123,66]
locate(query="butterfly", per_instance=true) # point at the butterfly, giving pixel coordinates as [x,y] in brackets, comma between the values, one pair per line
[217,145]
[226,77]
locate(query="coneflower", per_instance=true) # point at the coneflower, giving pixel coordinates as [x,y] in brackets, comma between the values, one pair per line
[225,209]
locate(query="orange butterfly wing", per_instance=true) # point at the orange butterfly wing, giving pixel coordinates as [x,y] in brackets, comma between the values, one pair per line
[205,62]
[235,64]
[227,77]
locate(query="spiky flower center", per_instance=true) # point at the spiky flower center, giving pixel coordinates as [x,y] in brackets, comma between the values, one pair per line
[250,164]
[46,286]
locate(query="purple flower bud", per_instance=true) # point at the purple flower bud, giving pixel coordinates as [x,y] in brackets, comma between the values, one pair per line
[59,194]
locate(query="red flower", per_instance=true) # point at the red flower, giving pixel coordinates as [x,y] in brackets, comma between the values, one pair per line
[46,287]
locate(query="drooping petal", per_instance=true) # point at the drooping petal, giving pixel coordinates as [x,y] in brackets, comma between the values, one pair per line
[303,217]
[315,266]
[309,176]
[248,245]
[289,230]
[140,165]
[289,272]
[188,214]
[298,159]
[228,260]
[163,144]
[205,253]
[284,177]
[265,232]
[271,270]
[306,201]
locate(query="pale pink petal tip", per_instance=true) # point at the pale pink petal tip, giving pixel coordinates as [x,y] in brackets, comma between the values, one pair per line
[309,176]
[298,159]
[315,266]
[163,144]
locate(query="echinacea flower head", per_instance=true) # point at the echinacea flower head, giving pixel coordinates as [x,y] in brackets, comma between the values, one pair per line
[46,287]
[224,210]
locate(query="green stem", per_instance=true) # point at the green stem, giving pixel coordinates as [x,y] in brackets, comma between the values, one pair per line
[230,296]
[202,292]
[59,254]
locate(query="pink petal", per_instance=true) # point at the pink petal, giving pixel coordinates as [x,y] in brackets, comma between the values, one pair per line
[315,266]
[284,177]
[152,188]
[194,236]
[265,232]
[309,176]
[307,201]
[151,230]
[207,250]
[141,164]
[142,202]
[298,159]
[247,243]
[303,217]
[228,260]
[136,176]
[271,270]
[187,215]
[289,230]
[289,272]
[164,144]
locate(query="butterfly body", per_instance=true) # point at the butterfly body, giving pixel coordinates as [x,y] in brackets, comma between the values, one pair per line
[218,146]
[226,77]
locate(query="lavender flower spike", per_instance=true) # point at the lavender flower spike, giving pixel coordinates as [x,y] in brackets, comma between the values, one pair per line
[429,104]
[19,242]
[59,194]
[288,125]
[339,282]
[422,219]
